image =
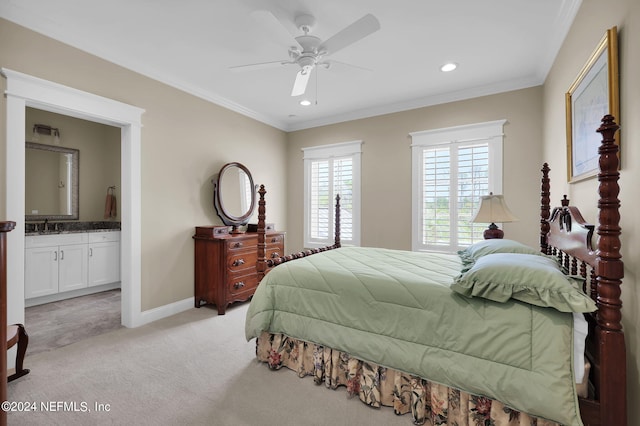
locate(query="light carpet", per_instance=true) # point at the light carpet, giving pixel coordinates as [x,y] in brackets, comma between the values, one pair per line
[194,368]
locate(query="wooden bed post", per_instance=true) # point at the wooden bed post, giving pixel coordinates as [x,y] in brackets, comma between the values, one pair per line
[610,270]
[545,208]
[336,242]
[262,245]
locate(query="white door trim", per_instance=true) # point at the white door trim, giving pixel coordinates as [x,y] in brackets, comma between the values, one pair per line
[23,91]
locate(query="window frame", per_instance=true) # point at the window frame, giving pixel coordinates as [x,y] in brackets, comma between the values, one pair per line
[490,132]
[330,152]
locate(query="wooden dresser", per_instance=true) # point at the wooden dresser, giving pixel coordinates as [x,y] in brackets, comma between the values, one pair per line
[225,265]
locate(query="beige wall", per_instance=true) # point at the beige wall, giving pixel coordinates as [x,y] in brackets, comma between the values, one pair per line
[386,164]
[99,147]
[591,23]
[185,141]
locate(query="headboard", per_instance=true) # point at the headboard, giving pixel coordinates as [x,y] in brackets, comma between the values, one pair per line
[565,234]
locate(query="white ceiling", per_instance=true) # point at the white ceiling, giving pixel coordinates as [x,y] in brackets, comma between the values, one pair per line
[500,45]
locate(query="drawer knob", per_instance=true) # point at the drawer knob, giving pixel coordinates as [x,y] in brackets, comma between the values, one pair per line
[275,239]
[238,262]
[237,245]
[238,285]
[275,254]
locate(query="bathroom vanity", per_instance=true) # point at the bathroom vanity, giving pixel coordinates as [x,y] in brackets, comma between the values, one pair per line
[70,264]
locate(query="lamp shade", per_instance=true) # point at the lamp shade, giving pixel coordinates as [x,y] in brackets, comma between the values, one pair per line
[493,209]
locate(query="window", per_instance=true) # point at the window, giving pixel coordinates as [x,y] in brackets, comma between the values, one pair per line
[452,168]
[330,170]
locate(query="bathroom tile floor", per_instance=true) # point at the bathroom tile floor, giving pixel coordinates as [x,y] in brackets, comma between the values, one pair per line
[61,323]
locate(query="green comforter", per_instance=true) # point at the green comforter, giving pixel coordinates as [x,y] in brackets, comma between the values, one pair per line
[394,308]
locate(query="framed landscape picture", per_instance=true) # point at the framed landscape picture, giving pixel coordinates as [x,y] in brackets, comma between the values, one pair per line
[592,95]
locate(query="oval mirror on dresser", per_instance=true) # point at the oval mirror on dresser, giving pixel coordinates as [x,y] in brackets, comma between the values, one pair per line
[234,195]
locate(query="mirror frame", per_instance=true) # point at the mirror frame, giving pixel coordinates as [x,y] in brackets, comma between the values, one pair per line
[75,179]
[227,218]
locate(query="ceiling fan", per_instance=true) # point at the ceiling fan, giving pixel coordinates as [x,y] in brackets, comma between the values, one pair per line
[310,51]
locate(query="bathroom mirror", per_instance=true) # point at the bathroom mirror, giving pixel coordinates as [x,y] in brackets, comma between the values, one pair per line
[234,195]
[51,182]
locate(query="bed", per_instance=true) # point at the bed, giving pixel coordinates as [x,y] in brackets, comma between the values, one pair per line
[492,335]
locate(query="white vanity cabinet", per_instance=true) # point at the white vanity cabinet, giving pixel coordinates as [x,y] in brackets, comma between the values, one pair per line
[71,263]
[104,258]
[55,263]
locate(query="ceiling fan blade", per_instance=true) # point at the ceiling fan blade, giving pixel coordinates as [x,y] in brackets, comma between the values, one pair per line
[300,85]
[363,27]
[274,27]
[259,66]
[333,64]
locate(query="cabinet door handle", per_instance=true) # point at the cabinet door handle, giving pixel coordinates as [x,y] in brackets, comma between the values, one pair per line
[238,262]
[55,255]
[238,285]
[90,252]
[61,254]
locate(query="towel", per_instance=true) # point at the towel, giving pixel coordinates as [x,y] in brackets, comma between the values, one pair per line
[110,205]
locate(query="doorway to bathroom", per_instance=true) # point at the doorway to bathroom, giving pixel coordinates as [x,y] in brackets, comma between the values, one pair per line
[72,229]
[24,91]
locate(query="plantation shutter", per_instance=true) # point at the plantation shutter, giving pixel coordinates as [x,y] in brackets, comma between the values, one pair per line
[332,170]
[320,200]
[449,178]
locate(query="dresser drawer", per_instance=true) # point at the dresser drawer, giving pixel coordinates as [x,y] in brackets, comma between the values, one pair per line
[275,246]
[274,240]
[274,252]
[243,244]
[238,260]
[239,283]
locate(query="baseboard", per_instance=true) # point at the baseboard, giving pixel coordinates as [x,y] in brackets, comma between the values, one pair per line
[70,294]
[160,312]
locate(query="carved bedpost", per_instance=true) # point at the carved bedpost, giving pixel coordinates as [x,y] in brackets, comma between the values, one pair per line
[545,208]
[610,270]
[337,229]
[262,245]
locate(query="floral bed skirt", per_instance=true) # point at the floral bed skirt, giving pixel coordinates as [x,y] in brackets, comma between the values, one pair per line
[429,403]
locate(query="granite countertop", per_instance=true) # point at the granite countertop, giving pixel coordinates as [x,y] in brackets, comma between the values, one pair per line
[73,231]
[57,228]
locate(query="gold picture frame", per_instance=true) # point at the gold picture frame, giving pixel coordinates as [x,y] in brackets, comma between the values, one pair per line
[592,95]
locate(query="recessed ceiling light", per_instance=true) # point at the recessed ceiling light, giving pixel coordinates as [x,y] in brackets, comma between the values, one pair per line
[448,67]
[305,102]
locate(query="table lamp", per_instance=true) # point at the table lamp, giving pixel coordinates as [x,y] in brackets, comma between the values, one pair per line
[493,209]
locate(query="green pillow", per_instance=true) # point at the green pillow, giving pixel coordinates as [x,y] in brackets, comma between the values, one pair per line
[528,278]
[496,245]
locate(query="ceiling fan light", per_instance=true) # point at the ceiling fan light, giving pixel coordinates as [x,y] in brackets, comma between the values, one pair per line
[449,67]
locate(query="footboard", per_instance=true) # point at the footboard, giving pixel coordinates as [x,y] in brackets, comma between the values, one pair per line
[263,263]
